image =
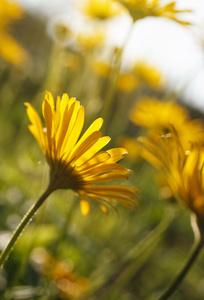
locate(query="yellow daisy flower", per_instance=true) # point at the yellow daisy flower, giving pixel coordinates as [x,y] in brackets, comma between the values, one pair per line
[141,74]
[92,40]
[175,148]
[10,50]
[190,187]
[163,118]
[77,163]
[101,9]
[139,9]
[184,172]
[62,32]
[127,82]
[147,74]
[101,68]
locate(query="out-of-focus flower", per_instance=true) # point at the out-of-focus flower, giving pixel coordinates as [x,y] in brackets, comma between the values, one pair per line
[78,164]
[127,82]
[62,32]
[41,260]
[139,9]
[101,9]
[10,50]
[68,283]
[163,118]
[90,41]
[147,74]
[102,68]
[190,185]
[141,74]
[175,147]
[183,171]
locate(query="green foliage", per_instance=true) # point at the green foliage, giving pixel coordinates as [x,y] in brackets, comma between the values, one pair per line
[133,256]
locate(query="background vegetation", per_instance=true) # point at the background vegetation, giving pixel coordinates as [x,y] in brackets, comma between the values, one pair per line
[63,255]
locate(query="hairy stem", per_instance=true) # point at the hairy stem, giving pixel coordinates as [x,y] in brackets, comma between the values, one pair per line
[22,225]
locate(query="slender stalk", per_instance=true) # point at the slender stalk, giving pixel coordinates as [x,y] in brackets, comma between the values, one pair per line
[108,102]
[22,225]
[191,259]
[132,261]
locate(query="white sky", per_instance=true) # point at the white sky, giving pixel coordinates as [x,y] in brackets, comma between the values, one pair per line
[175,50]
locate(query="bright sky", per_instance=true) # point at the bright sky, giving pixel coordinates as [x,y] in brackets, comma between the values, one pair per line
[175,50]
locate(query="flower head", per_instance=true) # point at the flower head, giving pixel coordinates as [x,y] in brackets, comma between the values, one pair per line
[147,74]
[101,9]
[140,9]
[127,82]
[175,148]
[77,163]
[191,186]
[91,40]
[165,118]
[183,170]
[101,68]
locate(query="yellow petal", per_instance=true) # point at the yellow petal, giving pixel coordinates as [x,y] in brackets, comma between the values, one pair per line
[107,168]
[116,154]
[76,131]
[104,208]
[95,126]
[85,207]
[97,159]
[100,143]
[104,177]
[36,128]
[80,149]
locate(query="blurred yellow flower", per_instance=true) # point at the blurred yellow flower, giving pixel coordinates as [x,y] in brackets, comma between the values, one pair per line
[191,184]
[62,32]
[89,41]
[190,187]
[147,74]
[101,9]
[127,82]
[141,74]
[163,118]
[139,9]
[102,68]
[69,284]
[174,147]
[10,50]
[78,164]
[60,272]
[183,170]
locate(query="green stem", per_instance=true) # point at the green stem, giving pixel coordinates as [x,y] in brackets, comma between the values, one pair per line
[22,225]
[132,261]
[175,283]
[108,103]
